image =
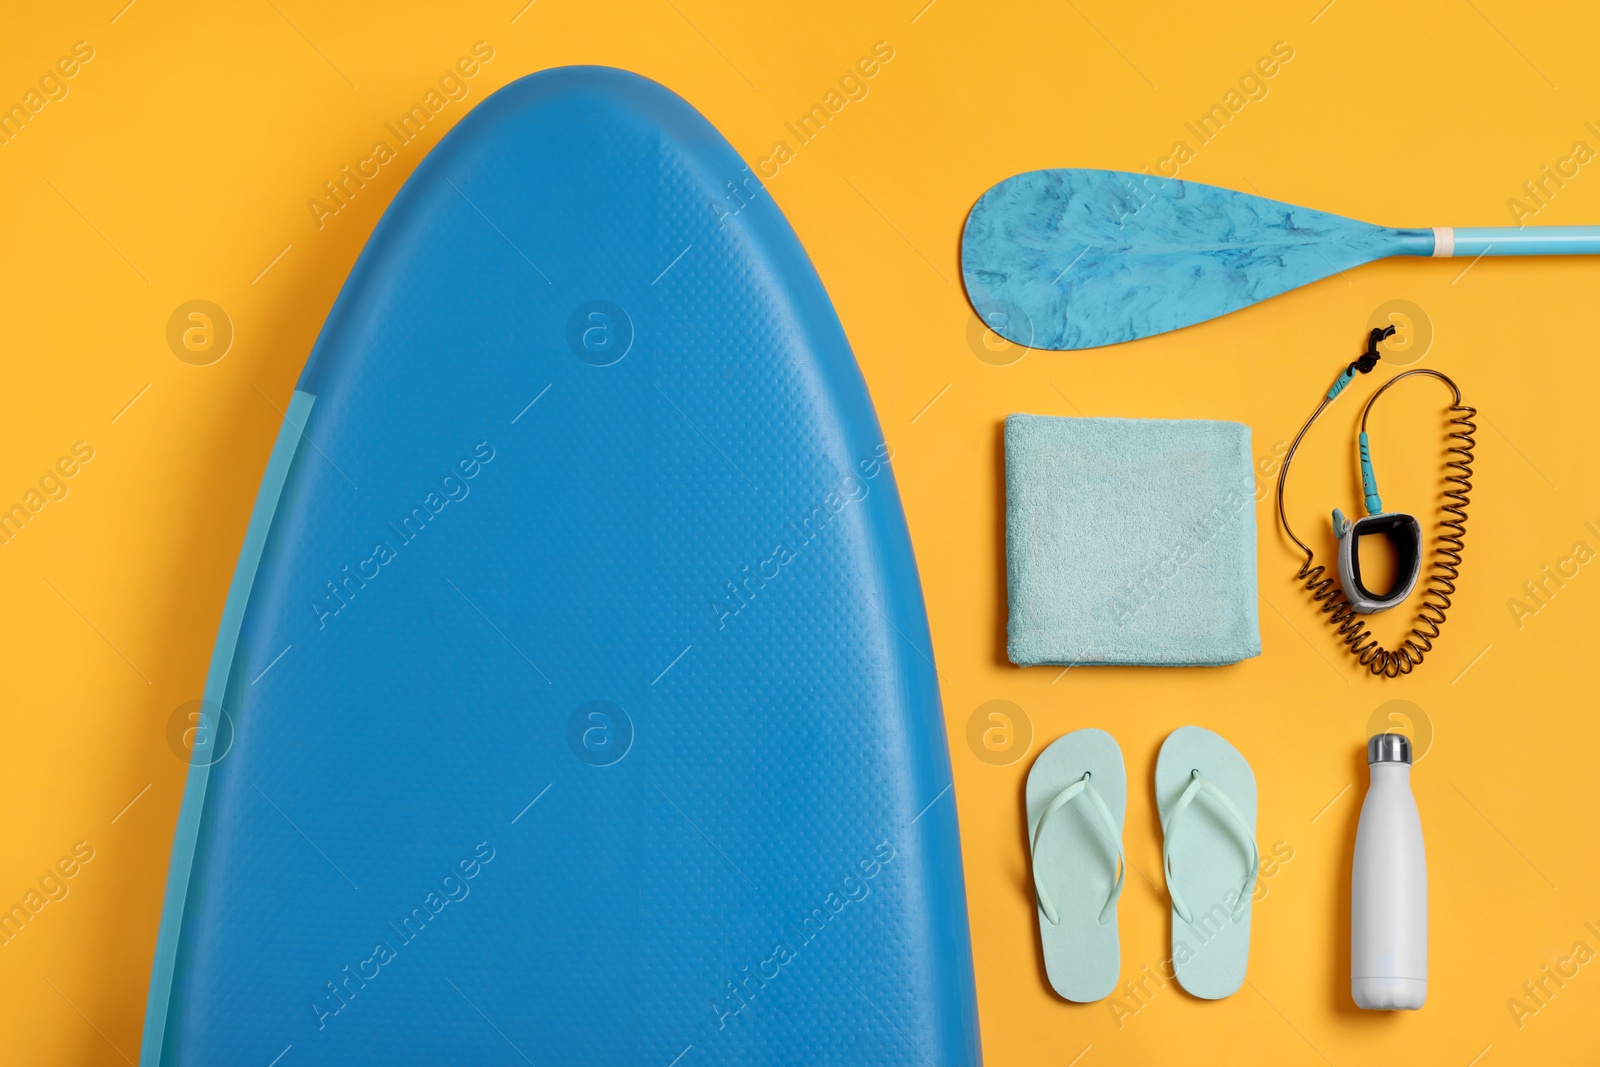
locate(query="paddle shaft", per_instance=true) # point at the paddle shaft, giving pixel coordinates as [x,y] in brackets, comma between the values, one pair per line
[1451,241]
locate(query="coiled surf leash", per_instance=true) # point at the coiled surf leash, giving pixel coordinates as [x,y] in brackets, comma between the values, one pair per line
[1345,600]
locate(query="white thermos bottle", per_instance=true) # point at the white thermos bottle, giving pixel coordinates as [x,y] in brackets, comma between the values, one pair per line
[1389,887]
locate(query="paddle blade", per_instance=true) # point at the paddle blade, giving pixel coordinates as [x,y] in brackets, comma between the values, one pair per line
[1067,259]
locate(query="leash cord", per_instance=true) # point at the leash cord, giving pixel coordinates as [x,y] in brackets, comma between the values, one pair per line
[1446,569]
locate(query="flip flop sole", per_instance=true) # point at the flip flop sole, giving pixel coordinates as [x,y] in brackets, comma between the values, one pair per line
[1209,953]
[1078,865]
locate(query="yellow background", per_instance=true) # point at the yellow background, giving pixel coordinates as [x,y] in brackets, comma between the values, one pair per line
[179,166]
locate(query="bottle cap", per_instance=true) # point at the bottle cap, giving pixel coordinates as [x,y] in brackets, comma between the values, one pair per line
[1389,748]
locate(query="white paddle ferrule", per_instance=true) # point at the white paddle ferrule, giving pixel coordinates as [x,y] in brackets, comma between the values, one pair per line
[1444,242]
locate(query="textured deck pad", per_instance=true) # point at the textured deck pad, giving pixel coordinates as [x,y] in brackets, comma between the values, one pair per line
[582,708]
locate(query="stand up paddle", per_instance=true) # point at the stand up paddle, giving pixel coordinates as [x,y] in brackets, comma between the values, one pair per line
[1066,259]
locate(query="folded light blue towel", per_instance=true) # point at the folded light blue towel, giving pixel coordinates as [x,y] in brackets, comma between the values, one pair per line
[1130,541]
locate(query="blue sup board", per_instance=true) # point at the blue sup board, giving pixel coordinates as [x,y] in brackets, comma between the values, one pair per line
[573,702]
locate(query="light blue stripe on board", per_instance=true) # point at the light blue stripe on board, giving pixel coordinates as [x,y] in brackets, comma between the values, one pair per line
[194,793]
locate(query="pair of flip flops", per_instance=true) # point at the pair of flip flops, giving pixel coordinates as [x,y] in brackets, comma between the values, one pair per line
[1206,796]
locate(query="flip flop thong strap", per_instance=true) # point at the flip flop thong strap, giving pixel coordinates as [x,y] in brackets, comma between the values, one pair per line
[1078,790]
[1198,787]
